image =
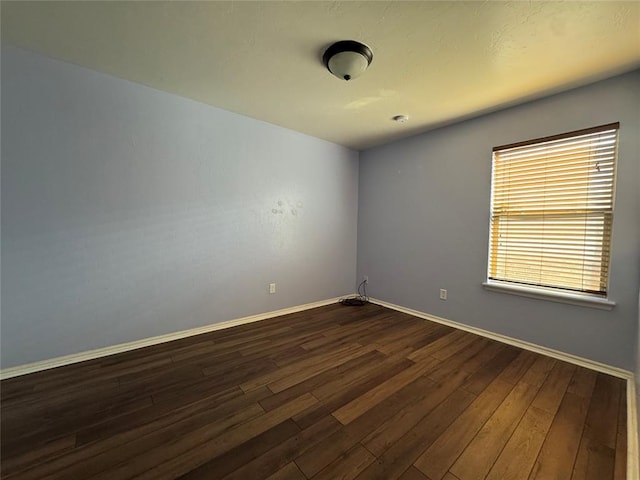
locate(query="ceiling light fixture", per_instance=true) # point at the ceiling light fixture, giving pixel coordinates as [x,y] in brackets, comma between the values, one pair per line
[347,59]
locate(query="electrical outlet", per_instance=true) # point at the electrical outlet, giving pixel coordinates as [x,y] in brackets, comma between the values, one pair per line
[443,294]
[366,279]
[272,288]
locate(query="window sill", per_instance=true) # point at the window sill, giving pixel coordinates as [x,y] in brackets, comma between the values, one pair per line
[582,300]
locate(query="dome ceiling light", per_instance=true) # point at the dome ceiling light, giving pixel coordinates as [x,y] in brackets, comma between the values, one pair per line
[347,59]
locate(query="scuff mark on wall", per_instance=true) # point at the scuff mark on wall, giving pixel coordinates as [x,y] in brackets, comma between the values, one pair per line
[287,207]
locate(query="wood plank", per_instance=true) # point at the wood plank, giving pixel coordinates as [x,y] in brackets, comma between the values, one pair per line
[351,379]
[477,459]
[516,369]
[461,360]
[395,460]
[442,342]
[393,429]
[583,382]
[594,461]
[350,368]
[537,374]
[554,388]
[334,360]
[487,354]
[456,346]
[91,461]
[64,423]
[602,418]
[309,364]
[391,338]
[412,473]
[289,472]
[559,451]
[351,333]
[348,466]
[349,412]
[187,453]
[450,476]
[395,330]
[333,446]
[235,458]
[430,332]
[440,456]
[276,458]
[488,371]
[344,394]
[37,455]
[620,470]
[516,460]
[170,409]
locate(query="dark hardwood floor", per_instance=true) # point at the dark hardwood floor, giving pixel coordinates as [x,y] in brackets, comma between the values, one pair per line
[331,393]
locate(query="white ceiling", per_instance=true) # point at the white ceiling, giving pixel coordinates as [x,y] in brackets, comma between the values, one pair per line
[437,62]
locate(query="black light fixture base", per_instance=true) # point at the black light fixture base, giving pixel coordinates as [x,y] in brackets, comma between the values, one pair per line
[346,46]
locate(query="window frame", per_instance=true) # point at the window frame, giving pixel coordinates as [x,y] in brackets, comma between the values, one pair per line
[556,294]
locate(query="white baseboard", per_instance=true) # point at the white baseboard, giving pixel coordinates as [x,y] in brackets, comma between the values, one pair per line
[549,352]
[145,342]
[633,451]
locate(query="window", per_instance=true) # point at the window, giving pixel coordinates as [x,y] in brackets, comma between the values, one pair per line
[552,211]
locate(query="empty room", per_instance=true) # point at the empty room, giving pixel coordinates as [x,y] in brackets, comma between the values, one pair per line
[320,240]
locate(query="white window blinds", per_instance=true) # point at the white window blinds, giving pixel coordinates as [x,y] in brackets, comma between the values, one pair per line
[552,211]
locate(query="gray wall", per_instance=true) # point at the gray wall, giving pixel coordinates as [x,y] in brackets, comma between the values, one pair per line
[128,212]
[424,223]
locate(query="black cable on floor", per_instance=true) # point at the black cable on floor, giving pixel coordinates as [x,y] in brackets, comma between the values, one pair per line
[359,300]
